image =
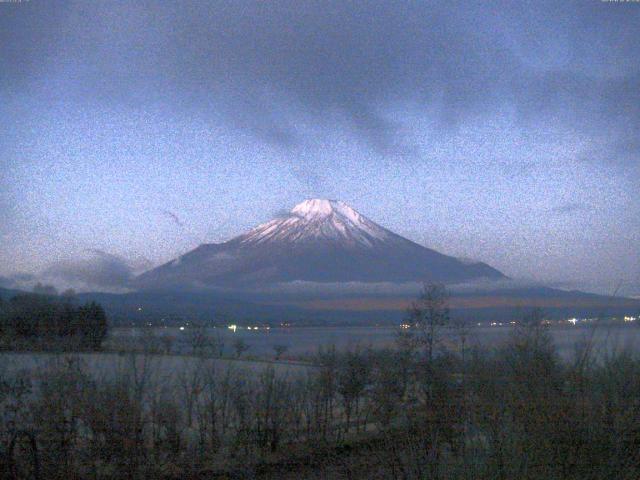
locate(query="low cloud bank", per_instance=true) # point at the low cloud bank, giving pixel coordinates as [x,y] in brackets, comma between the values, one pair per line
[388,288]
[97,270]
[18,281]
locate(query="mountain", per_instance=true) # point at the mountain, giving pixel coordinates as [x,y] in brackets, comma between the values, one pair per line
[325,263]
[318,241]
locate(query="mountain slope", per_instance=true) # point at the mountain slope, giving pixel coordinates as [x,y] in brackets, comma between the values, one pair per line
[318,241]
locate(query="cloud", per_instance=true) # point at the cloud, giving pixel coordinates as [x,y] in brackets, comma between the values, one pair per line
[184,229]
[18,281]
[174,218]
[274,69]
[300,287]
[97,270]
[281,213]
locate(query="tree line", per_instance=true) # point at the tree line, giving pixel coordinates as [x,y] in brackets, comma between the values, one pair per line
[32,319]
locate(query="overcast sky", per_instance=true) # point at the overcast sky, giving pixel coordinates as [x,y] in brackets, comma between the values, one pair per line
[504,132]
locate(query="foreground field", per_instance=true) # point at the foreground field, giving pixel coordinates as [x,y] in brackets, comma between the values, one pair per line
[163,368]
[514,411]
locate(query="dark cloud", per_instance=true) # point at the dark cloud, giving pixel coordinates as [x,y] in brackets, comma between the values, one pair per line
[174,218]
[268,67]
[98,269]
[281,213]
[143,263]
[351,99]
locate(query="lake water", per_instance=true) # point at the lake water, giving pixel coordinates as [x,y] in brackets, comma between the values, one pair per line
[302,341]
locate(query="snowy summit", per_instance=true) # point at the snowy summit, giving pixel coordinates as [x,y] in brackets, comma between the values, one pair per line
[318,208]
[317,220]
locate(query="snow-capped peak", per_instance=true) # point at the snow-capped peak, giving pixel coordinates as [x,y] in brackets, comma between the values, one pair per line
[318,241]
[319,208]
[319,219]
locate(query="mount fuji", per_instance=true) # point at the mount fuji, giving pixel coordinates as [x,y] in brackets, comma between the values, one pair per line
[318,241]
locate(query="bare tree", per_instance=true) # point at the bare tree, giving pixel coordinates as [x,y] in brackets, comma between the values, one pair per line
[428,314]
[198,340]
[240,346]
[353,377]
[167,343]
[326,379]
[280,350]
[191,381]
[150,343]
[461,330]
[218,344]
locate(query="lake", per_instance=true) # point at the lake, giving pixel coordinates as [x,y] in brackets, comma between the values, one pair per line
[303,341]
